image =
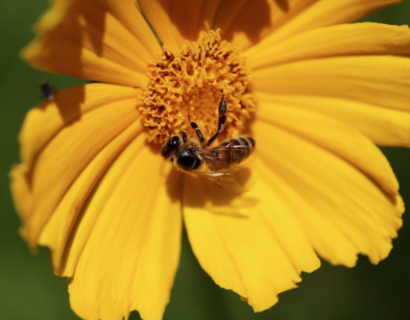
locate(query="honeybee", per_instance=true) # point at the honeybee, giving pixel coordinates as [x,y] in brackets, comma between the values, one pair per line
[217,164]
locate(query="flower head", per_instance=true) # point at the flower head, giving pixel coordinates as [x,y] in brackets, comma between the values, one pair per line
[190,83]
[314,93]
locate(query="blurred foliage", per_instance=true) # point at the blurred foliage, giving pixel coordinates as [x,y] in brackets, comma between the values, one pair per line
[29,290]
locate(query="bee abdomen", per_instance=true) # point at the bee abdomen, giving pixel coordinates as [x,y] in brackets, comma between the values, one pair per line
[236,154]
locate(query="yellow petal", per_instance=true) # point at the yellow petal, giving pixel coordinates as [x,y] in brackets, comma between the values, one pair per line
[342,209]
[177,20]
[257,250]
[246,22]
[125,247]
[335,137]
[67,143]
[107,41]
[383,126]
[382,81]
[340,40]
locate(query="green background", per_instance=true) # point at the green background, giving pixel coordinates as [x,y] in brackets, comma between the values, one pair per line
[29,289]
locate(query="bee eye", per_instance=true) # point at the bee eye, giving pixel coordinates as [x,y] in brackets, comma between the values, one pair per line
[175,141]
[170,146]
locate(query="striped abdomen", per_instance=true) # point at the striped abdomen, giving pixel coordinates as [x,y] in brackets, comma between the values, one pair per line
[231,152]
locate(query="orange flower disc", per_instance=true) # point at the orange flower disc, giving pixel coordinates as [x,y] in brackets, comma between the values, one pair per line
[191,82]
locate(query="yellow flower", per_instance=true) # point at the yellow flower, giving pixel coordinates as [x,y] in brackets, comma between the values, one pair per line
[315,94]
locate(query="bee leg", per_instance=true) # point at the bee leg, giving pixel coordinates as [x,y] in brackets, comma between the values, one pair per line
[184,136]
[196,128]
[221,120]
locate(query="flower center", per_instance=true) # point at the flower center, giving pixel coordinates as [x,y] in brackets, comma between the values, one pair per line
[190,83]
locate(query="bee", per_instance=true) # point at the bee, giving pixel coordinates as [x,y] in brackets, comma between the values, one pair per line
[47,90]
[217,165]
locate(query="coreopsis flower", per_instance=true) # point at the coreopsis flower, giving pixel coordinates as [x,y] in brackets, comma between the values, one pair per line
[316,94]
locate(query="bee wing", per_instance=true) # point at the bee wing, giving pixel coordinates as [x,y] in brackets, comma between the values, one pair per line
[224,180]
[222,154]
[214,151]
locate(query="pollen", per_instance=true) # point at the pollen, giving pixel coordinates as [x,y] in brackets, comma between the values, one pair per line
[190,83]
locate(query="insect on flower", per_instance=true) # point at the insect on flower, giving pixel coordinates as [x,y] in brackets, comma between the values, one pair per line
[213,164]
[47,90]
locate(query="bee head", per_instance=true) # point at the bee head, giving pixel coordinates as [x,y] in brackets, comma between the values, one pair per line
[169,146]
[187,159]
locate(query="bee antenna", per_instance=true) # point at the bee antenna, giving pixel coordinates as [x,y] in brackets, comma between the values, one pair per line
[162,144]
[196,128]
